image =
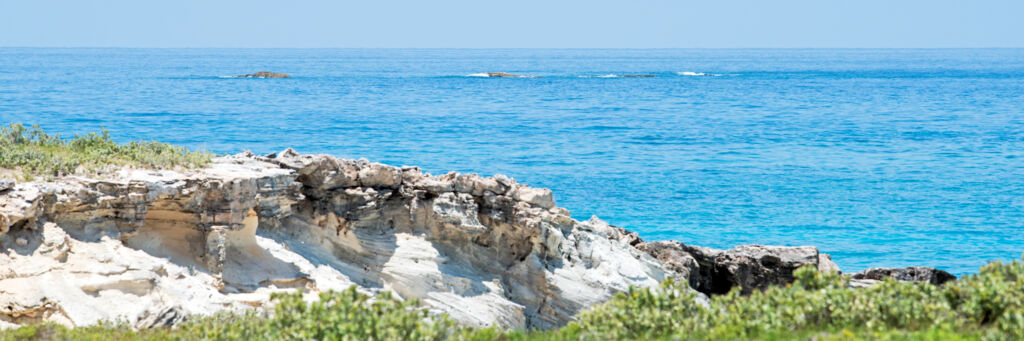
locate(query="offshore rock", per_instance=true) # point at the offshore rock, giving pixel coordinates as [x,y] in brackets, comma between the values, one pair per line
[749,267]
[264,74]
[153,247]
[909,274]
[508,75]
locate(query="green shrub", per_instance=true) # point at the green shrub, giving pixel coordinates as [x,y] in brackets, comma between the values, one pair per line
[987,305]
[31,152]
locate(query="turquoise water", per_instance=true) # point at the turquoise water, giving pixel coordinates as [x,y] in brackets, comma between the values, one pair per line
[879,157]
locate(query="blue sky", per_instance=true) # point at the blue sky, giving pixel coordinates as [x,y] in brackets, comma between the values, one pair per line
[521,23]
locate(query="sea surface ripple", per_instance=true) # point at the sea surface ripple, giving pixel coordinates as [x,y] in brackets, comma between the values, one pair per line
[879,157]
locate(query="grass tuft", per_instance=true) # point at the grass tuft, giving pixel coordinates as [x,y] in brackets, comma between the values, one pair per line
[28,153]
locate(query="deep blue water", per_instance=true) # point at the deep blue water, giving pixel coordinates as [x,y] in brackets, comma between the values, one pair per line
[879,157]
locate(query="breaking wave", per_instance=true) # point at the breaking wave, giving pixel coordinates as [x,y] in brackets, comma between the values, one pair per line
[691,73]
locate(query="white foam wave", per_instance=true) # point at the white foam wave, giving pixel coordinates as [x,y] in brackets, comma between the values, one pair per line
[691,73]
[619,76]
[482,74]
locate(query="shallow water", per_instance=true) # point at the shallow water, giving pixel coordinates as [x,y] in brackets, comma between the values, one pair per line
[879,157]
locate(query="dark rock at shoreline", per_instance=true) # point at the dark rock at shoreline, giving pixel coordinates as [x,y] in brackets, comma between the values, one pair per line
[265,74]
[908,274]
[675,257]
[749,267]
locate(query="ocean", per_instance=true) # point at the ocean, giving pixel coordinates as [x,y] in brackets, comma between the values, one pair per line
[878,157]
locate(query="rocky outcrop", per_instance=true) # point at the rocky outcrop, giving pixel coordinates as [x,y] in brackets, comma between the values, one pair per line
[505,75]
[749,267]
[151,247]
[909,274]
[264,74]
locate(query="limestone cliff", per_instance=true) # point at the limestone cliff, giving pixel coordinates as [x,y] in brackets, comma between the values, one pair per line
[151,247]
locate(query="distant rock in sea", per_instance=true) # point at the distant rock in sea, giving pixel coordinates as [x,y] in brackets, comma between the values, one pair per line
[621,76]
[501,75]
[264,74]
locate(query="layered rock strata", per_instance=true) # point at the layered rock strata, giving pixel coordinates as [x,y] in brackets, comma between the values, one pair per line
[154,247]
[151,247]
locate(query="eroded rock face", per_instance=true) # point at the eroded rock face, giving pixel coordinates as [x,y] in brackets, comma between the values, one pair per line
[265,74]
[152,247]
[749,267]
[909,274]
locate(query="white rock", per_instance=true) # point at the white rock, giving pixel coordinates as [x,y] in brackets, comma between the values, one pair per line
[537,196]
[484,250]
[6,184]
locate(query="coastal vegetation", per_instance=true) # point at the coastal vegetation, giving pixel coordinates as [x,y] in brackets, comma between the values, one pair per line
[988,305]
[30,152]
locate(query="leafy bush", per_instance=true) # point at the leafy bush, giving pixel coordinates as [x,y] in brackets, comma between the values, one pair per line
[987,305]
[33,152]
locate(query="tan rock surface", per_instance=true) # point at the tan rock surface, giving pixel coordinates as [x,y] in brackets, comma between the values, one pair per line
[151,247]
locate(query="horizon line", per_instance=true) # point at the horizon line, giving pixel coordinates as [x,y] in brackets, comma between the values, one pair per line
[519,48]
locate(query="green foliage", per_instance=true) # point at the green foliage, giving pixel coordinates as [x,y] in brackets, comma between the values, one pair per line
[33,152]
[988,305]
[818,306]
